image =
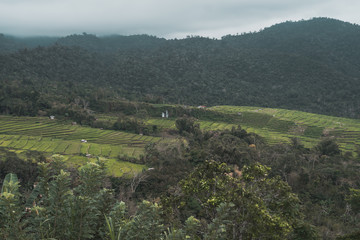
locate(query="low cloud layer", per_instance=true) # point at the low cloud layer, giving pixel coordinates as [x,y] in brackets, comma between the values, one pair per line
[163,18]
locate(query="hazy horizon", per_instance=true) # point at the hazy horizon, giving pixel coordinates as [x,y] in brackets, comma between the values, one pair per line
[162,18]
[19,36]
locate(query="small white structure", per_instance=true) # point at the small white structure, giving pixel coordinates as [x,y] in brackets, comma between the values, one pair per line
[52,117]
[201,106]
[165,114]
[83,140]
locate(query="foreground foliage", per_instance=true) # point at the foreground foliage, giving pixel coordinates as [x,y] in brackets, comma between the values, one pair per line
[63,207]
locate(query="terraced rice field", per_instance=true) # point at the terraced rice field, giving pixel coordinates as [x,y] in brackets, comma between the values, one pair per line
[162,123]
[114,167]
[54,137]
[280,125]
[275,125]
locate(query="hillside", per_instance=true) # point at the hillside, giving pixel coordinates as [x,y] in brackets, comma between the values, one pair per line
[311,66]
[275,126]
[75,145]
[295,159]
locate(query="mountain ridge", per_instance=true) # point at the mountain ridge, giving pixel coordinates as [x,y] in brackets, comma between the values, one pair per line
[299,68]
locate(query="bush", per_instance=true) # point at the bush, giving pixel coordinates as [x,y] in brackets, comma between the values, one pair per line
[328,146]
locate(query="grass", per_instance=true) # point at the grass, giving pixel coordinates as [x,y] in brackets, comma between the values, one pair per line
[274,125]
[53,137]
[162,123]
[42,134]
[279,125]
[115,167]
[121,168]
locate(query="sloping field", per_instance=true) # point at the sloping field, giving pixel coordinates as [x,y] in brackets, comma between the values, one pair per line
[271,136]
[275,125]
[279,125]
[162,123]
[50,136]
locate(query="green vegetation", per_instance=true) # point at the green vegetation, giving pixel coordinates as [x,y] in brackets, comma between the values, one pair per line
[113,165]
[280,125]
[194,183]
[42,134]
[89,209]
[275,125]
[311,66]
[56,137]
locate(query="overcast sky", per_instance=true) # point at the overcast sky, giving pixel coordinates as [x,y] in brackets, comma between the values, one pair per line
[163,18]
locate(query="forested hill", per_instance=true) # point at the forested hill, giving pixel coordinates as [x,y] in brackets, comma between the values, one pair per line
[309,65]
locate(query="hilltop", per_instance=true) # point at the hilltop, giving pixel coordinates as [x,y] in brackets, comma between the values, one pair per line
[311,66]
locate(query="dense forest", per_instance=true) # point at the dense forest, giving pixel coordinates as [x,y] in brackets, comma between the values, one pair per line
[307,65]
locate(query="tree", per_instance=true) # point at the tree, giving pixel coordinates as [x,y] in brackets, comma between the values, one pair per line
[146,224]
[328,146]
[247,206]
[354,199]
[11,226]
[186,124]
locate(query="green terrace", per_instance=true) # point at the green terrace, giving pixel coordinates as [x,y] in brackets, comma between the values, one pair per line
[276,125]
[53,137]
[280,124]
